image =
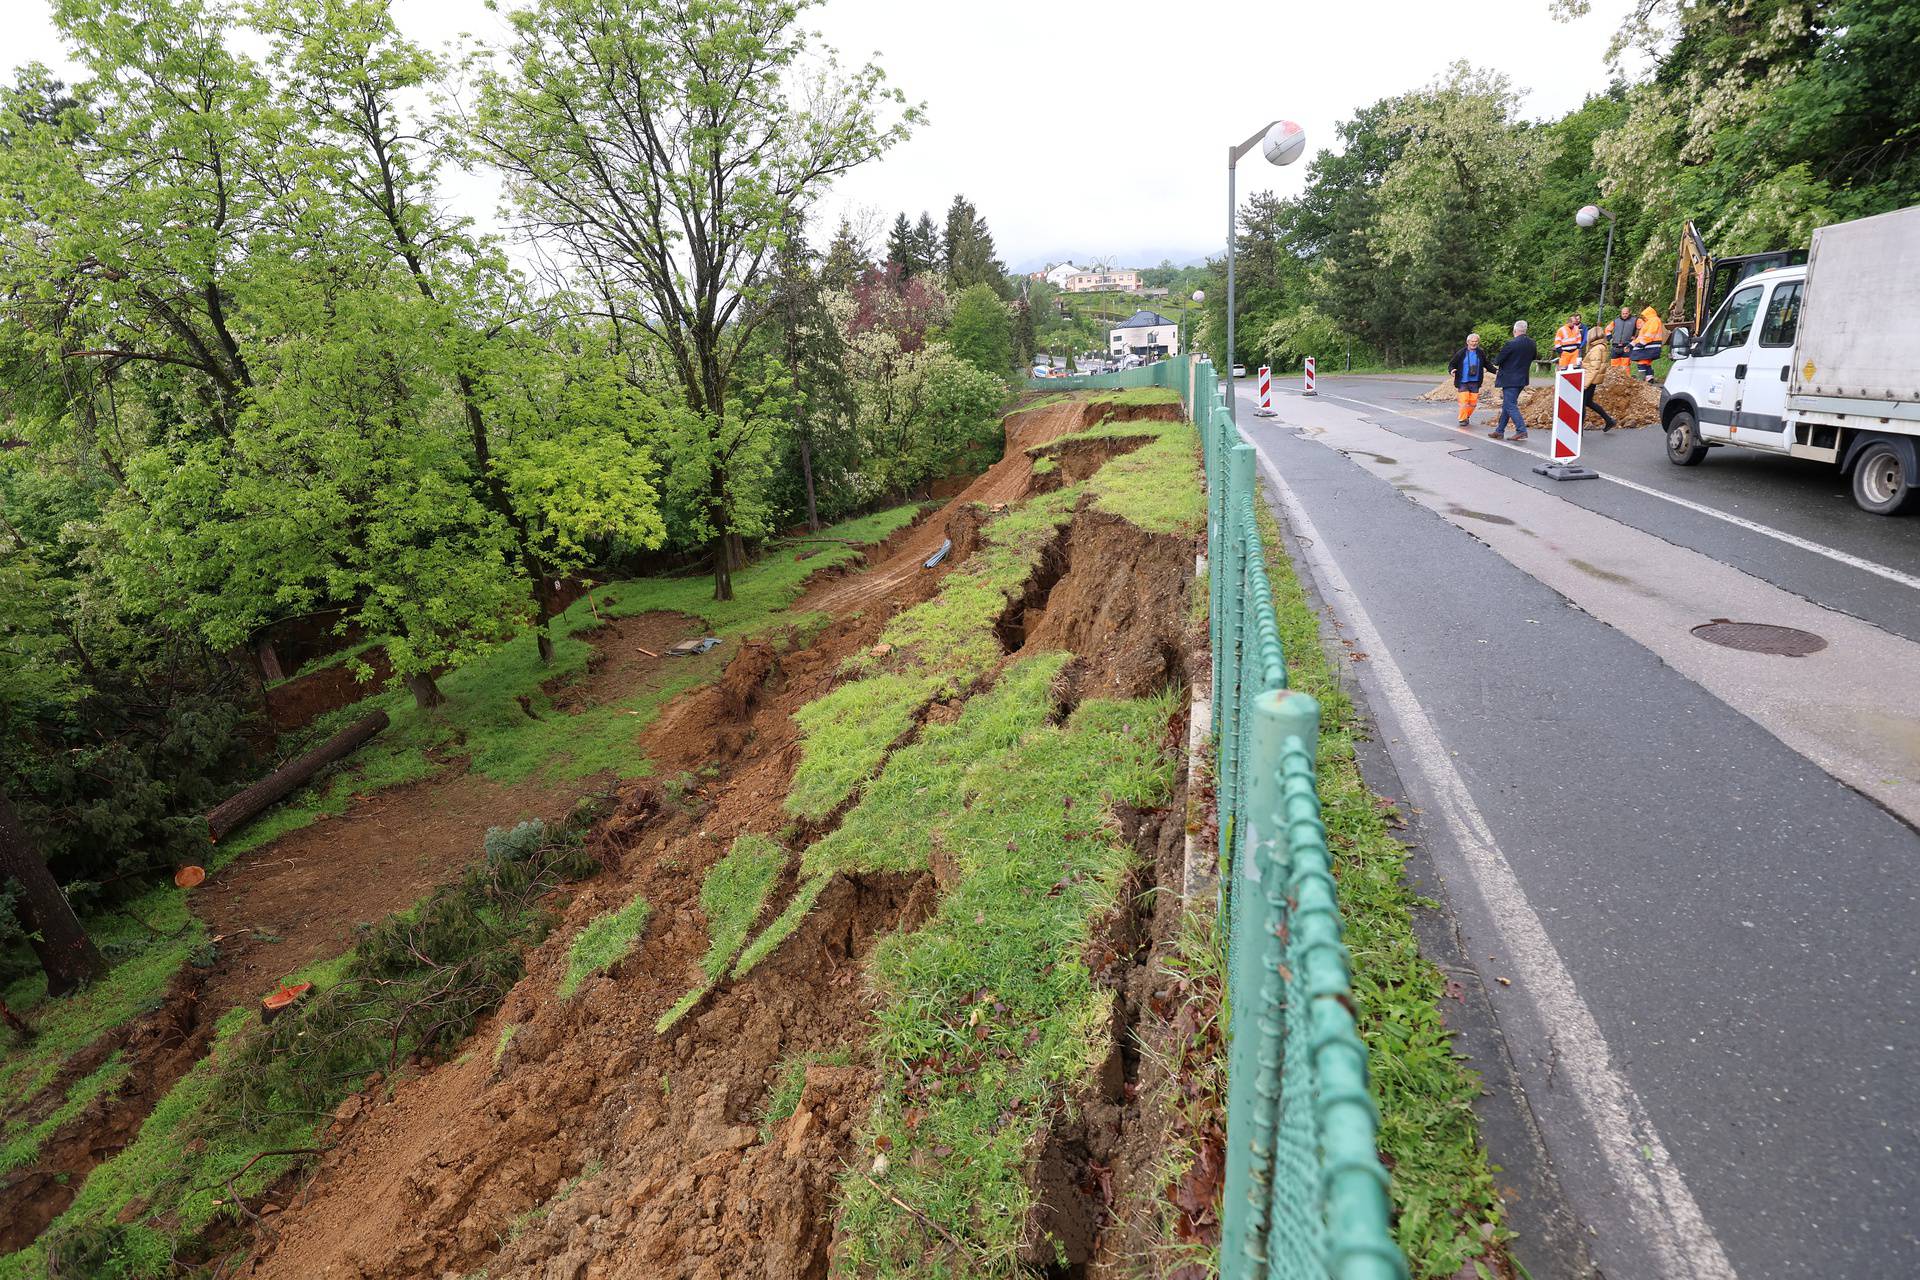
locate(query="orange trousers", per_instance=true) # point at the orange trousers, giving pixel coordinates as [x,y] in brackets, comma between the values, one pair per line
[1469,401]
[1619,362]
[1567,358]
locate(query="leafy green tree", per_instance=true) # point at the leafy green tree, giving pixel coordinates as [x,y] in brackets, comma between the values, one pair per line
[981,330]
[655,144]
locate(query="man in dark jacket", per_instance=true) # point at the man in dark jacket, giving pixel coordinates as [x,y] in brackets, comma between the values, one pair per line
[1620,337]
[1469,369]
[1512,369]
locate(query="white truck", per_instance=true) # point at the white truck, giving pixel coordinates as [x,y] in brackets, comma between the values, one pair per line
[1820,361]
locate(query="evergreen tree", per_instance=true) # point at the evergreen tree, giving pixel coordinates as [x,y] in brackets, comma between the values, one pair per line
[970,257]
[1025,342]
[901,246]
[927,250]
[846,259]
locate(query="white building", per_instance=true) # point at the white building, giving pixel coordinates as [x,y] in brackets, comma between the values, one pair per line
[1057,275]
[1097,281]
[1146,334]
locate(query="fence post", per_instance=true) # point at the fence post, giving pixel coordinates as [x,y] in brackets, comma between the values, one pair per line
[1278,722]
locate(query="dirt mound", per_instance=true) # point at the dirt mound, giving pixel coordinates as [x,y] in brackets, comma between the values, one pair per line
[1631,402]
[1620,392]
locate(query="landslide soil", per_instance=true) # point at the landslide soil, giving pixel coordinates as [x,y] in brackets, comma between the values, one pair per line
[592,1147]
[297,900]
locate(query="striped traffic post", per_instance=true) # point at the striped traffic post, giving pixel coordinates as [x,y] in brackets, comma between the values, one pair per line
[1266,391]
[1309,378]
[1569,410]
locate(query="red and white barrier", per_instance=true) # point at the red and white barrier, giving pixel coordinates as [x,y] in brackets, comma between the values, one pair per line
[1569,410]
[1567,413]
[1309,378]
[1266,391]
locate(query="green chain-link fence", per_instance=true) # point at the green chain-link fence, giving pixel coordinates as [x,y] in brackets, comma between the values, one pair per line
[1305,1193]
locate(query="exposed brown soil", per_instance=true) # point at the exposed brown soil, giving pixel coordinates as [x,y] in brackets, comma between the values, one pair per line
[305,698]
[625,652]
[297,900]
[1118,600]
[1007,480]
[592,1147]
[161,1045]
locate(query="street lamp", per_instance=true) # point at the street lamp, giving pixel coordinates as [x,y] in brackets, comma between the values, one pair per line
[1184,337]
[1586,217]
[1282,142]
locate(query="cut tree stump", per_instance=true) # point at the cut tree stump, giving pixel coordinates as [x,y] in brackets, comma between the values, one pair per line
[237,811]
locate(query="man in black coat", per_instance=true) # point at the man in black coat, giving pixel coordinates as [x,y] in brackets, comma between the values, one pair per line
[1512,370]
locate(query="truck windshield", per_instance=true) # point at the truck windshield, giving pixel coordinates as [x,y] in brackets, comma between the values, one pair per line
[1735,322]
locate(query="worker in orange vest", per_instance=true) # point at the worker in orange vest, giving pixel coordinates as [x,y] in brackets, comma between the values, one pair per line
[1648,337]
[1569,340]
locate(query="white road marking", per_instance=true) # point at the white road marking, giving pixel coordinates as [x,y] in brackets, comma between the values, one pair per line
[1779,535]
[1640,1165]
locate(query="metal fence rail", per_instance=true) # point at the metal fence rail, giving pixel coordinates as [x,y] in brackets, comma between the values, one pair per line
[1306,1194]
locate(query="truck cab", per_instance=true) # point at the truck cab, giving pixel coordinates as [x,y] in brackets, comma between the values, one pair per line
[1730,385]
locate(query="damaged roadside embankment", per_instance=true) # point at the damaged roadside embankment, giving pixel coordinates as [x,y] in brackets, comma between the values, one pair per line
[982,877]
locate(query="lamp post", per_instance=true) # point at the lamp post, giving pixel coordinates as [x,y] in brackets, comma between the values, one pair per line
[1586,217]
[1281,141]
[1183,337]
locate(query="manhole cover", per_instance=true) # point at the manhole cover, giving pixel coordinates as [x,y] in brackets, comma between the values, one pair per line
[1760,637]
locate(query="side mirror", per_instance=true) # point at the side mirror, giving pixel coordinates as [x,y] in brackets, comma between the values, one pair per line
[1682,344]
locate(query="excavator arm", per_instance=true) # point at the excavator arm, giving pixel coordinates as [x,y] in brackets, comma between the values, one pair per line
[1696,266]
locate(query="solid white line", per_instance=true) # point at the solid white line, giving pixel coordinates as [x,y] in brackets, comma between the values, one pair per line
[1778,535]
[1661,1207]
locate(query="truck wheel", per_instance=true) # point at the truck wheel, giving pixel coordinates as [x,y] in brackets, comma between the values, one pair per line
[1683,440]
[1883,479]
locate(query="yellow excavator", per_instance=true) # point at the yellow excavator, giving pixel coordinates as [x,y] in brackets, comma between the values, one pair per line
[1714,278]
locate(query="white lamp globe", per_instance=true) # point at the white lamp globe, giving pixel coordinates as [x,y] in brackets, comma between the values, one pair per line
[1199,295]
[1588,215]
[1284,142]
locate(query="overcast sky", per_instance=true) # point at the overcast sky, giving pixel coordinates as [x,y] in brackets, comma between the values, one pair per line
[1101,129]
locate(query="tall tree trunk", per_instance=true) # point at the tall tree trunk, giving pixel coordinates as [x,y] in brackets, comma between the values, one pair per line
[53,930]
[722,535]
[269,661]
[243,807]
[425,692]
[546,606]
[806,470]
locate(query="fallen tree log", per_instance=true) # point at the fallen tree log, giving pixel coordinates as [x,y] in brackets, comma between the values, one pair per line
[238,810]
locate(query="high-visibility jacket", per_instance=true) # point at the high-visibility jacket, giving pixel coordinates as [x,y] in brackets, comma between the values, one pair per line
[1568,339]
[1649,332]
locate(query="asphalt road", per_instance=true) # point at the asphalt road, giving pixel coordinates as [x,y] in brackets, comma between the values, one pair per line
[1686,877]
